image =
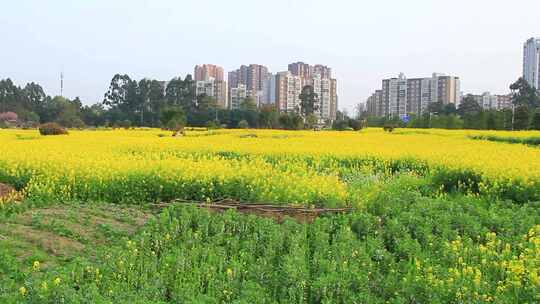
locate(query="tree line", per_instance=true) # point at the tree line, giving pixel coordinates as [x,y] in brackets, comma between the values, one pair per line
[524,115]
[151,103]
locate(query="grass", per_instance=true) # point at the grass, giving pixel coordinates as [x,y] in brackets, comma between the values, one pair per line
[530,141]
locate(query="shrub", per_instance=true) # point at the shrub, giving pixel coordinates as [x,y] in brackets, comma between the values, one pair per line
[126,124]
[535,123]
[355,124]
[52,128]
[175,124]
[388,127]
[243,124]
[213,124]
[340,125]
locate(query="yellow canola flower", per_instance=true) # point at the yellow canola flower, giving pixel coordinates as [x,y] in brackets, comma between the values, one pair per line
[36,266]
[140,164]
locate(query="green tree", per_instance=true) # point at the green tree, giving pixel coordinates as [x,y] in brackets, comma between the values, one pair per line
[524,94]
[521,117]
[243,124]
[11,96]
[178,93]
[206,103]
[93,115]
[435,107]
[269,117]
[491,121]
[308,101]
[248,104]
[535,123]
[122,98]
[468,106]
[173,117]
[291,121]
[311,121]
[449,109]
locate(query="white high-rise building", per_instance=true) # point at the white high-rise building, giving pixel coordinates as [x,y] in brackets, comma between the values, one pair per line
[531,62]
[401,96]
[237,96]
[288,89]
[213,88]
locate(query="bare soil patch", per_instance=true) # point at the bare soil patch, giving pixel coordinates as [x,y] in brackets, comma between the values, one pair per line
[6,191]
[66,231]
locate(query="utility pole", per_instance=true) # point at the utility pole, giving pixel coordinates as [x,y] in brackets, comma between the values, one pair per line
[62,84]
[513,112]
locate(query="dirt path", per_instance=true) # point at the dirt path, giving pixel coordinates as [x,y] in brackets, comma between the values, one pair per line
[60,233]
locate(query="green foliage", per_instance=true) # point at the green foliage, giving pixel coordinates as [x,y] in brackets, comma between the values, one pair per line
[311,121]
[269,117]
[401,246]
[308,101]
[524,95]
[521,117]
[243,124]
[291,121]
[52,128]
[126,124]
[212,124]
[469,106]
[173,117]
[389,127]
[248,105]
[535,122]
[340,125]
[532,141]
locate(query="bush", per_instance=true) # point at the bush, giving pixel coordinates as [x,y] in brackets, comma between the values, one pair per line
[243,124]
[535,123]
[52,128]
[212,124]
[175,124]
[388,127]
[340,125]
[355,124]
[126,124]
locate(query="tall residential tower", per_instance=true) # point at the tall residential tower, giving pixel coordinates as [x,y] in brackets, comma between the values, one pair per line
[531,62]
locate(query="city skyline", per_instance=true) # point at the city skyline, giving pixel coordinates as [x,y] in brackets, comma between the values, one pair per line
[363,42]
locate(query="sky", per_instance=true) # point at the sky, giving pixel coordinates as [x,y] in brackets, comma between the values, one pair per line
[363,41]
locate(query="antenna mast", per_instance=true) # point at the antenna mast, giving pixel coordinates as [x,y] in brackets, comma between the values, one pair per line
[62,84]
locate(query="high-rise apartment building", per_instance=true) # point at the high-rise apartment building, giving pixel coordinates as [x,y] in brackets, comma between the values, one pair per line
[322,70]
[489,101]
[237,96]
[206,71]
[288,90]
[401,96]
[301,69]
[320,77]
[374,104]
[255,78]
[213,88]
[531,62]
[209,81]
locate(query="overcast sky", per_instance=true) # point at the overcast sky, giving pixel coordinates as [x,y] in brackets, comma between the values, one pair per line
[363,41]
